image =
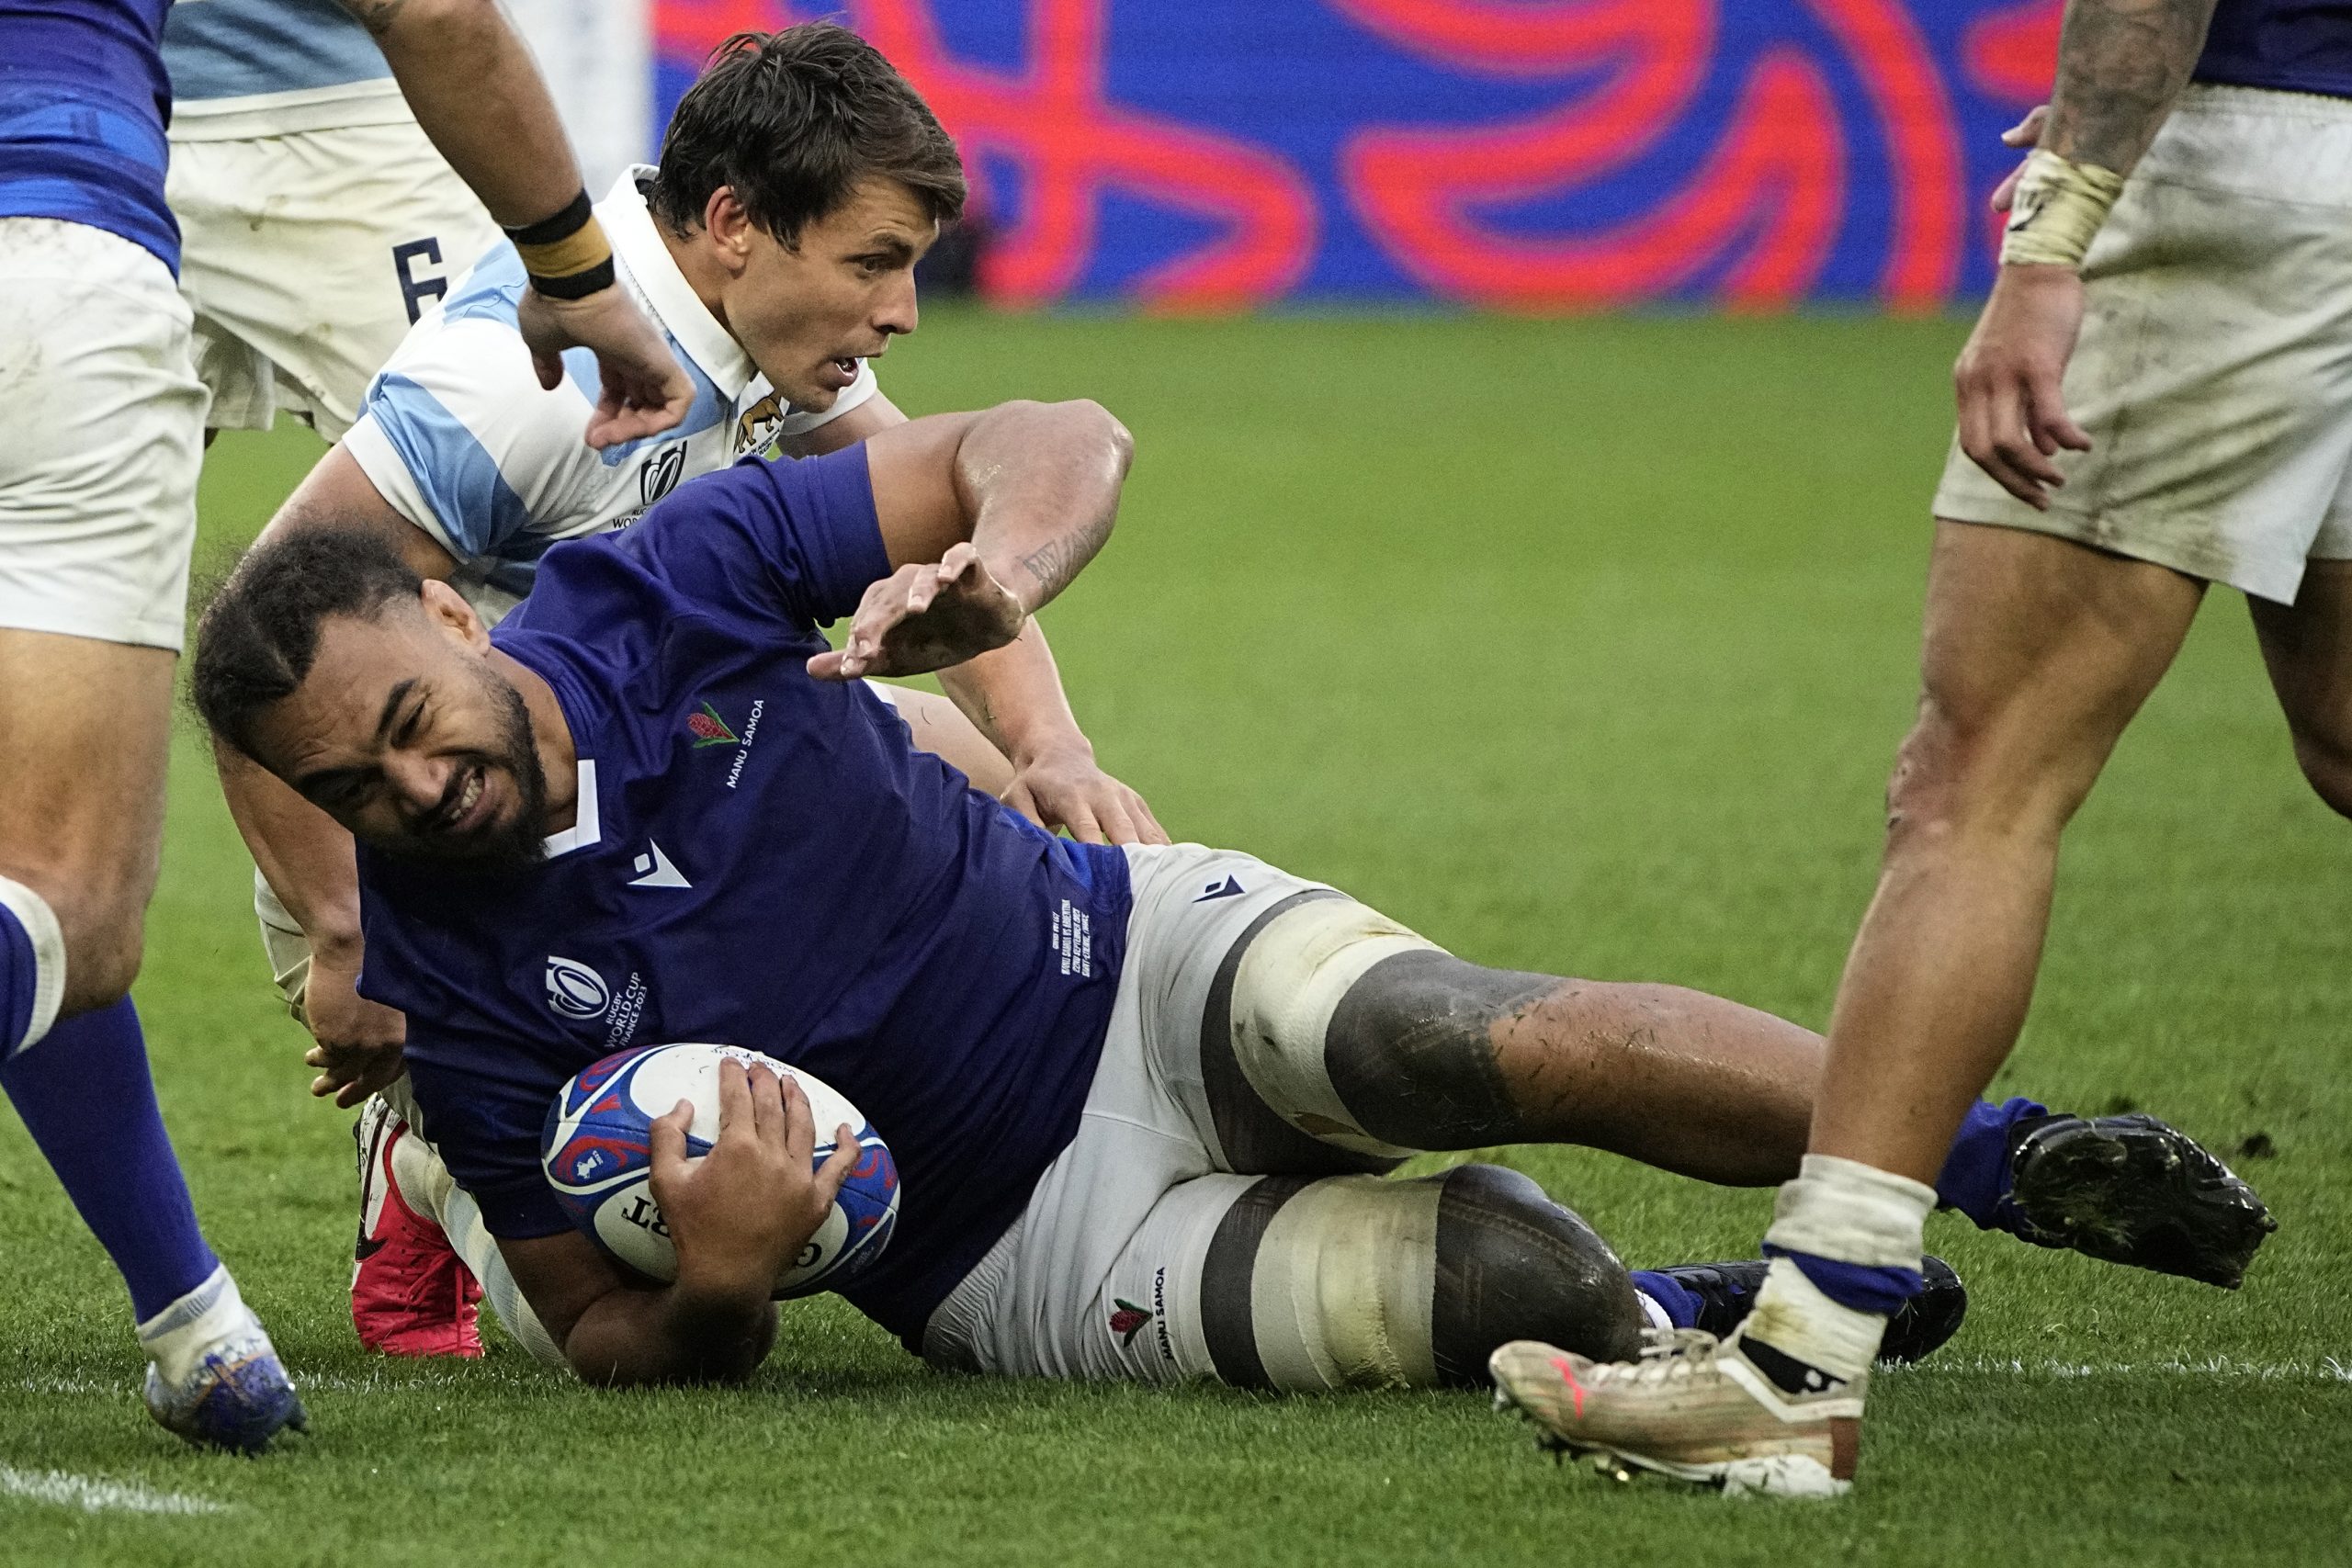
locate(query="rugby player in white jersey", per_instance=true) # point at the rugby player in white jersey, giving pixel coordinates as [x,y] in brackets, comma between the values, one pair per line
[96,520]
[316,219]
[800,180]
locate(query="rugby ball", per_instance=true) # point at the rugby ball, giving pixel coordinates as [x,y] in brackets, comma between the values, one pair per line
[596,1150]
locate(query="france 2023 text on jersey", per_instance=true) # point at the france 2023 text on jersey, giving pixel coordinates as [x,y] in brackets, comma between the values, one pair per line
[761,859]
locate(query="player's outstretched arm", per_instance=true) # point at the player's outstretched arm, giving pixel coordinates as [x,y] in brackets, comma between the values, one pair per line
[2122,63]
[738,1216]
[476,92]
[985,517]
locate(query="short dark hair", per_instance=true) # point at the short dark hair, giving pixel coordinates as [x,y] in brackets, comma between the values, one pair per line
[793,122]
[259,633]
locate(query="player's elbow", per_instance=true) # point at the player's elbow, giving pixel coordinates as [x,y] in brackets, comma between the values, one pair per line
[1117,440]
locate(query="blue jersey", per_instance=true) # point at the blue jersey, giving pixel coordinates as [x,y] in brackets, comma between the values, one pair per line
[83,106]
[2300,46]
[758,859]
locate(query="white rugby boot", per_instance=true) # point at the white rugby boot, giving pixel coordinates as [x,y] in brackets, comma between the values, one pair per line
[1694,1408]
[213,1377]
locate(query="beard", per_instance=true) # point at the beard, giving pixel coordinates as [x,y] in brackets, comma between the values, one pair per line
[520,840]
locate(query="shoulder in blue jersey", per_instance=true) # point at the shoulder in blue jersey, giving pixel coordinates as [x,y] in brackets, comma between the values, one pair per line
[459,438]
[83,106]
[758,859]
[2297,46]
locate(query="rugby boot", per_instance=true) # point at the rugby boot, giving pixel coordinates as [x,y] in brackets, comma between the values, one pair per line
[411,1293]
[2133,1190]
[1727,1290]
[225,1387]
[1728,1414]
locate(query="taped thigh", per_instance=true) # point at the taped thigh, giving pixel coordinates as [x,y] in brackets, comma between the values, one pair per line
[1290,974]
[1354,1281]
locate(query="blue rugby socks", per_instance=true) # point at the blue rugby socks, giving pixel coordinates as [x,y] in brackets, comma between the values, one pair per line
[32,966]
[85,1096]
[1975,1177]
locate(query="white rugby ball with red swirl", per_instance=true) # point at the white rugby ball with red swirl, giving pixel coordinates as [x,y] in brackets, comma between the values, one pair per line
[597,1151]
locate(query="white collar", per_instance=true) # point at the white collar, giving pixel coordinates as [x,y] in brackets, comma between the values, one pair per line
[630,226]
[587,826]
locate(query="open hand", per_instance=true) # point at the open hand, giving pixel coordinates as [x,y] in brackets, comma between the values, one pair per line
[356,1042]
[645,390]
[2013,416]
[1063,788]
[741,1213]
[926,616]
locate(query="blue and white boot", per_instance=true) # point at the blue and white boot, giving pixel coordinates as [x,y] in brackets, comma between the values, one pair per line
[212,1376]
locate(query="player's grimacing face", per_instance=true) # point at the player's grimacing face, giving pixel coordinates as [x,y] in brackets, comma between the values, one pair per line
[807,314]
[405,733]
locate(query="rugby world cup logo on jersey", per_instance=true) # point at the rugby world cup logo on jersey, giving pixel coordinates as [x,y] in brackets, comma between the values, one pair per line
[574,990]
[661,473]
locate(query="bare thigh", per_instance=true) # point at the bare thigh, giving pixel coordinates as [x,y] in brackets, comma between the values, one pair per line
[84,736]
[2307,647]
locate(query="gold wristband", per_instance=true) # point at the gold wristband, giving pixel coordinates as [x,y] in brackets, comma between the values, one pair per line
[584,248]
[2056,210]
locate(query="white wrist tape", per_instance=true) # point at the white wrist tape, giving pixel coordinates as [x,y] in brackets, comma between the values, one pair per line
[2056,210]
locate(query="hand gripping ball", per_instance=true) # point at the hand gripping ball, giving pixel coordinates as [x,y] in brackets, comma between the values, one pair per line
[596,1150]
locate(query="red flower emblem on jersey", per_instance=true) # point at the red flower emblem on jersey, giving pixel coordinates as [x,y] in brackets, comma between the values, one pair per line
[709,729]
[1128,1321]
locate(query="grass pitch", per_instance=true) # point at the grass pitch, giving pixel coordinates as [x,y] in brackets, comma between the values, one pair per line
[1579,646]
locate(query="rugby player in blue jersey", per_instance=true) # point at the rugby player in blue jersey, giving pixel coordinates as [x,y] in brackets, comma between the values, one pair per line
[96,519]
[801,180]
[1141,1098]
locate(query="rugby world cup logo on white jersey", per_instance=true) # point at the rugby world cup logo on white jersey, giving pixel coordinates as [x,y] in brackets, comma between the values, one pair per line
[574,990]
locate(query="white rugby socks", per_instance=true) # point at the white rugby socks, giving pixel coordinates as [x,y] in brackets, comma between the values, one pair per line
[1843,1213]
[209,1318]
[426,1186]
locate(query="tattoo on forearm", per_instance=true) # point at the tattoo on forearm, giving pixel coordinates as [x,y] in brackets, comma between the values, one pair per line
[376,16]
[2121,65]
[1055,561]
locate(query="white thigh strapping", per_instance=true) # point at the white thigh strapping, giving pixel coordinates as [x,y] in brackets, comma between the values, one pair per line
[1101,1276]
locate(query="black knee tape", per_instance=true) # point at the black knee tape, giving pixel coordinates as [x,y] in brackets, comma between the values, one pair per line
[1225,1275]
[1512,1264]
[1410,1052]
[1254,1137]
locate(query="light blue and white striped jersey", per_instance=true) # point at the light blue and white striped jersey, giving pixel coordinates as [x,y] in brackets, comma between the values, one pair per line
[243,68]
[458,436]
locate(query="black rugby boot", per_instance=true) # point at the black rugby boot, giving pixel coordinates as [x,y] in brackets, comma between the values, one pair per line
[1728,1291]
[2133,1190]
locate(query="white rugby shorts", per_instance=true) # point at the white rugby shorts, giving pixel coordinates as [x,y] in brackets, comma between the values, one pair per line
[105,436]
[2214,371]
[1101,1277]
[307,256]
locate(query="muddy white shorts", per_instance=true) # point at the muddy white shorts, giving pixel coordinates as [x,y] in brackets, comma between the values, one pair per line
[306,257]
[2214,371]
[1100,1277]
[105,435]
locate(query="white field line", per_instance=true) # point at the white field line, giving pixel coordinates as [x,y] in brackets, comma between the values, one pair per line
[2226,1368]
[96,1495]
[335,1383]
[2332,1369]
